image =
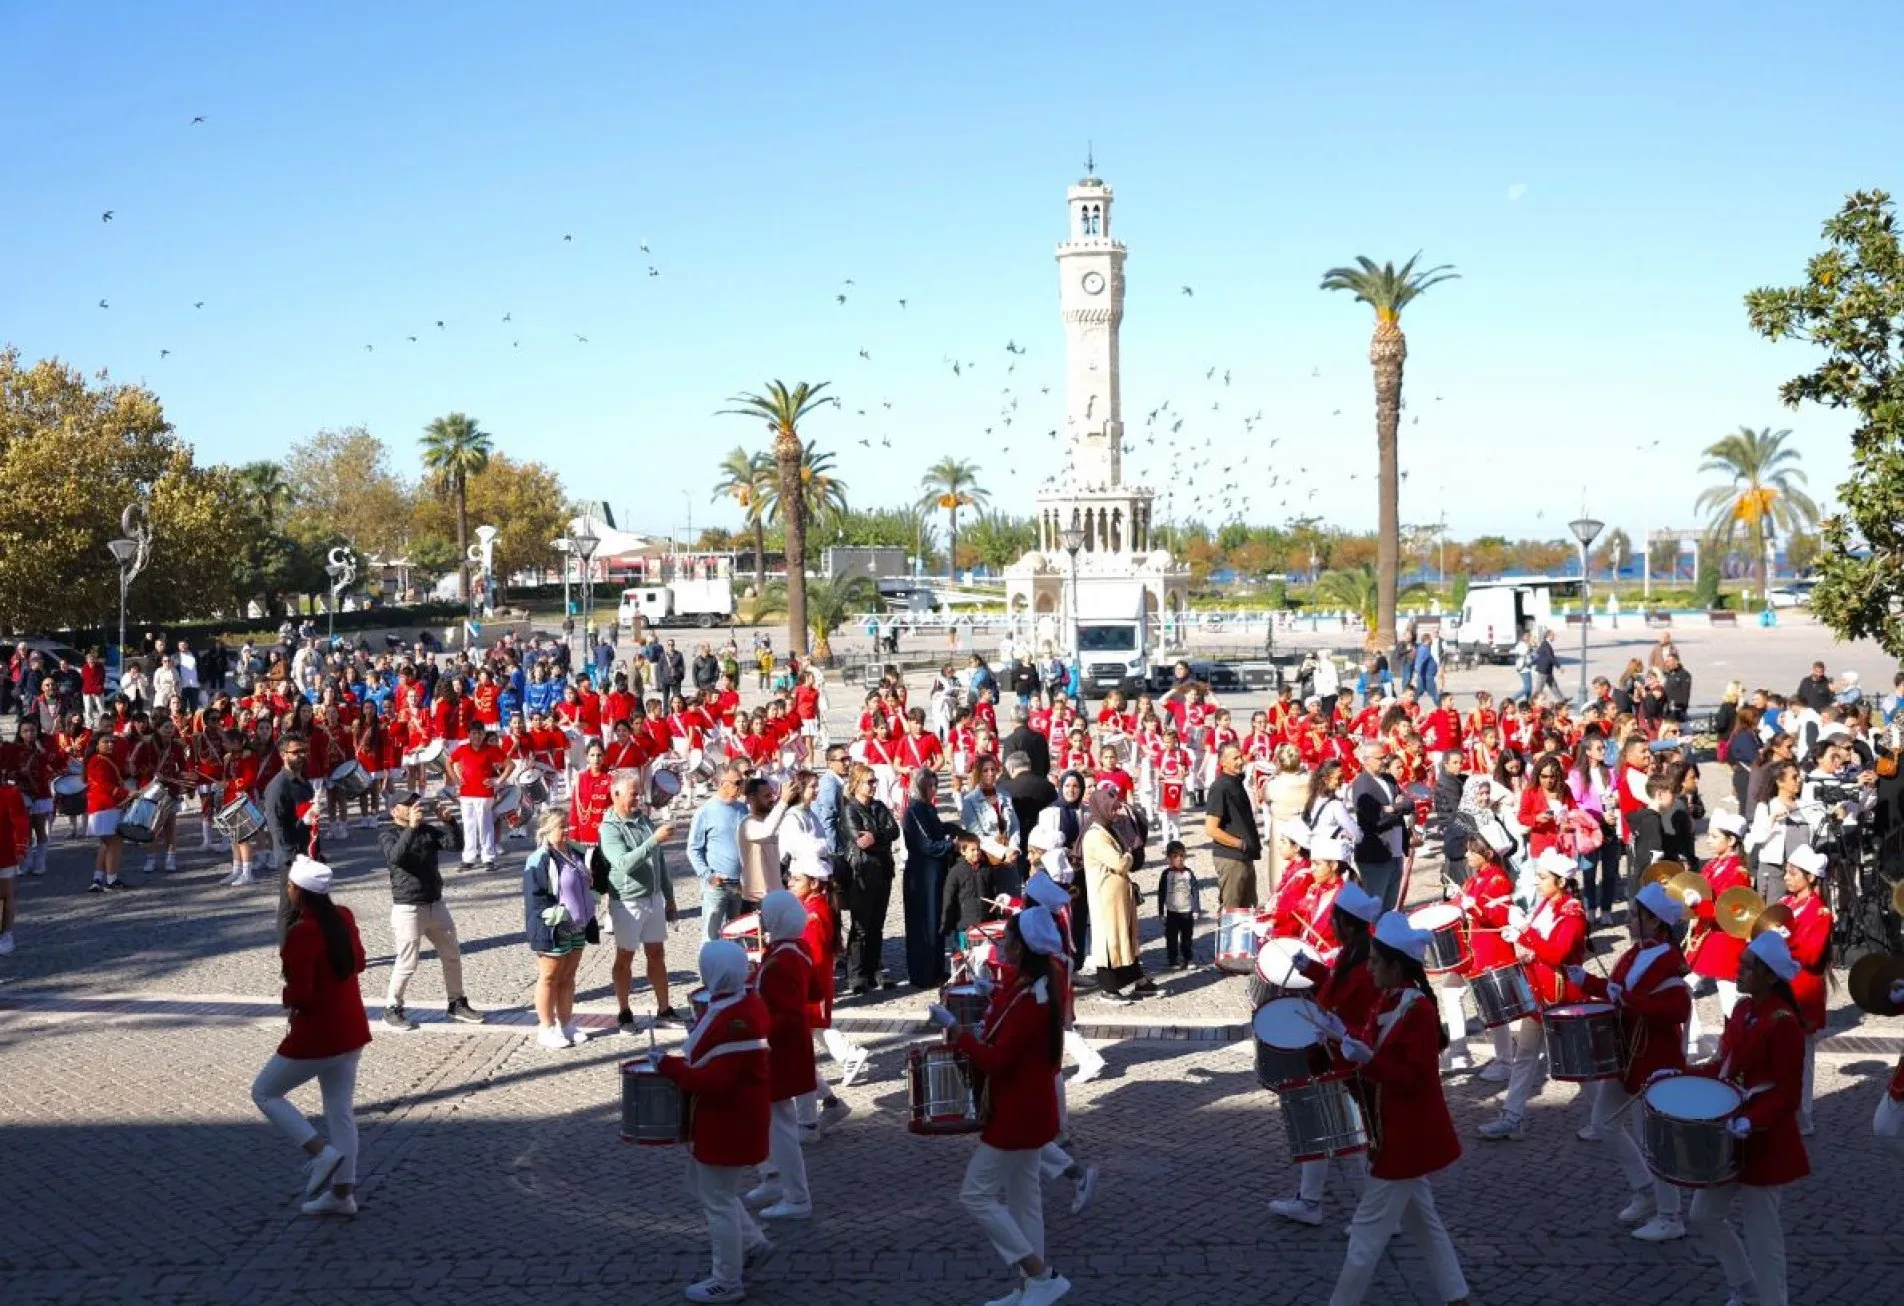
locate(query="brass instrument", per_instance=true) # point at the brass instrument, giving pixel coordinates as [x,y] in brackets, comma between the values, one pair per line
[1776,917]
[1897,897]
[1737,911]
[1660,872]
[1688,884]
[1870,981]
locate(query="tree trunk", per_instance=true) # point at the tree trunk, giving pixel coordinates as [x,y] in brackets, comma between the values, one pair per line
[793,516]
[1387,351]
[952,550]
[1763,565]
[760,555]
[462,548]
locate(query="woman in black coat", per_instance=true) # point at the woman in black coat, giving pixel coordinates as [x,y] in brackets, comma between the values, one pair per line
[929,850]
[867,835]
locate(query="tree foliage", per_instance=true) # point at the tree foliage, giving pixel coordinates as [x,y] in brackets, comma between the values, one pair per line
[338,486]
[1851,305]
[524,501]
[997,540]
[784,408]
[1760,493]
[951,484]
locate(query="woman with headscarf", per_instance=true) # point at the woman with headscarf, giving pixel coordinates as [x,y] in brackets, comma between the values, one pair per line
[322,956]
[725,1066]
[1107,872]
[784,982]
[1071,816]
[929,846]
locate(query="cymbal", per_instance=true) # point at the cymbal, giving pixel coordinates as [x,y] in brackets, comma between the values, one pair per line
[1897,898]
[1776,917]
[1686,883]
[1660,872]
[1870,982]
[1736,910]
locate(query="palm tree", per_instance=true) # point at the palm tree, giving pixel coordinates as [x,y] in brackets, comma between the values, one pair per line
[783,410]
[1761,492]
[831,603]
[951,484]
[746,479]
[1360,592]
[265,490]
[1387,289]
[455,449]
[824,493]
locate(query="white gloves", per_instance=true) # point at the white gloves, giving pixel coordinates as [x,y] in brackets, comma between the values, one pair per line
[939,1016]
[1691,899]
[1576,975]
[1357,1051]
[1614,991]
[557,916]
[1739,1127]
[1664,1072]
[1517,918]
[1331,1024]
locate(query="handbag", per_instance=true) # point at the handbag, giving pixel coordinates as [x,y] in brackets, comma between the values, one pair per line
[1496,835]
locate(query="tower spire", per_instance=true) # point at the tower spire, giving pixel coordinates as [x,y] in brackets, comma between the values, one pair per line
[1090,160]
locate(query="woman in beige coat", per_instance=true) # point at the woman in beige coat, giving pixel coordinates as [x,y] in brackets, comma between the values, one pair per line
[1283,798]
[1107,876]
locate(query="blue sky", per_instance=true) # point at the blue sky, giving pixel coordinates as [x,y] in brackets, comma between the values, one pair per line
[365,171]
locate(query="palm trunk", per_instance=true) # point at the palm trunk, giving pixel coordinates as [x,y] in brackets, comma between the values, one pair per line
[793,515]
[1387,352]
[760,555]
[462,545]
[1763,565]
[952,551]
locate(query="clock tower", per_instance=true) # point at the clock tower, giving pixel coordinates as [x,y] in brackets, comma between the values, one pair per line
[1091,300]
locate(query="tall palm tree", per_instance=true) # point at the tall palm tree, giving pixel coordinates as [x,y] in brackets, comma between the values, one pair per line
[265,488]
[831,603]
[783,410]
[1762,492]
[951,484]
[1387,289]
[1360,592]
[746,479]
[824,493]
[455,449]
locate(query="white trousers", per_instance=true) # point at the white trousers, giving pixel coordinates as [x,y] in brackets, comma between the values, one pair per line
[1001,1192]
[1811,1077]
[783,1153]
[1695,1029]
[409,926]
[1528,1069]
[1610,1099]
[1888,1123]
[479,830]
[1389,1205]
[729,1228]
[1760,1261]
[1313,1176]
[336,1080]
[1052,1159]
[841,1049]
[1451,997]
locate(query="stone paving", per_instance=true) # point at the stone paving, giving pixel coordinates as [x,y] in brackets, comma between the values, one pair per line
[136,1168]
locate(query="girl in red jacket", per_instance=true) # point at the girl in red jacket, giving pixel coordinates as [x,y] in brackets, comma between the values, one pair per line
[1810,943]
[1554,936]
[1398,1055]
[725,1068]
[322,957]
[811,880]
[1486,899]
[1761,1053]
[785,982]
[1710,951]
[1648,987]
[1014,1055]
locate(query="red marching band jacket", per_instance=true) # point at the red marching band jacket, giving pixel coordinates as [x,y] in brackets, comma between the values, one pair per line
[785,983]
[1711,951]
[1349,991]
[819,940]
[1762,1053]
[1557,936]
[1410,1131]
[1014,1069]
[1485,899]
[1654,1006]
[726,1074]
[1810,940]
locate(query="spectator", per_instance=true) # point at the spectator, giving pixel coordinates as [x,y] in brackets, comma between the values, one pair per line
[1229,819]
[1677,682]
[640,899]
[1381,811]
[867,835]
[1023,739]
[1815,691]
[412,847]
[1546,662]
[929,849]
[1030,791]
[714,851]
[559,919]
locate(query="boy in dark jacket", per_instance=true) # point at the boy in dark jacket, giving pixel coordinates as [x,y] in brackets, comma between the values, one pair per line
[1179,902]
[968,889]
[412,847]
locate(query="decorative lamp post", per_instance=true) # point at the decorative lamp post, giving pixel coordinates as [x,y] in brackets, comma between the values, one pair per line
[341,567]
[584,541]
[131,551]
[1073,539]
[1586,530]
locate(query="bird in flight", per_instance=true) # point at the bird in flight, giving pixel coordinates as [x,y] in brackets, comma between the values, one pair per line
[582,338]
[165,353]
[841,299]
[411,339]
[847,282]
[1012,347]
[106,216]
[955,368]
[104,304]
[886,440]
[1189,292]
[888,403]
[644,245]
[1336,413]
[197,120]
[867,443]
[1207,375]
[439,324]
[654,272]
[902,304]
[1226,376]
[506,317]
[198,303]
[370,349]
[568,238]
[863,354]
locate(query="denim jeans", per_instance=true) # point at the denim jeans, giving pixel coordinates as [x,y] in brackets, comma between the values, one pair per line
[720,905]
[1383,881]
[1527,684]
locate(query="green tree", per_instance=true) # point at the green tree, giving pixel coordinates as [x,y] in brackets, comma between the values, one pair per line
[1851,306]
[904,527]
[745,479]
[1802,551]
[832,601]
[1761,493]
[951,484]
[783,410]
[455,449]
[1614,550]
[1387,290]
[997,540]
[821,489]
[341,487]
[1458,591]
[1359,592]
[1705,586]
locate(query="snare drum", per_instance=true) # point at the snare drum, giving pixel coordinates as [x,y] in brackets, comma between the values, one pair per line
[1583,1042]
[349,779]
[653,1110]
[698,1002]
[508,808]
[967,1003]
[1286,1039]
[1448,940]
[146,813]
[1321,1118]
[939,1090]
[69,794]
[746,931]
[1276,974]
[664,786]
[1238,936]
[240,820]
[534,783]
[429,759]
[1687,1143]
[1503,995]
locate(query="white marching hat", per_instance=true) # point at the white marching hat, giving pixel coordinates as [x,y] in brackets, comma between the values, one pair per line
[811,865]
[1557,864]
[310,874]
[1296,830]
[1329,848]
[1730,822]
[1809,860]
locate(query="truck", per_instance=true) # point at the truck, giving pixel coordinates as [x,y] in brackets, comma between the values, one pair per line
[1114,649]
[703,603]
[1497,613]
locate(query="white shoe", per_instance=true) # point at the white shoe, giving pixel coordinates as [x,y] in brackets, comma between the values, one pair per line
[855,1066]
[783,1210]
[1495,1072]
[832,1114]
[1012,1298]
[1089,1068]
[551,1037]
[575,1034]
[150,865]
[1042,1292]
[171,863]
[319,1169]
[1505,1129]
[1805,1127]
[329,1203]
[6,943]
[763,1194]
[241,879]
[1087,1189]
[1661,1229]
[1297,1209]
[1639,1208]
[714,1290]
[1589,1133]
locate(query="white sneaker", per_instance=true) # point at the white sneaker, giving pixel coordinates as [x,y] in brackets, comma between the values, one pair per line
[1086,1190]
[714,1290]
[150,865]
[855,1066]
[6,943]
[242,878]
[1042,1292]
[1495,1072]
[1589,1133]
[329,1203]
[783,1210]
[171,862]
[1297,1209]
[1012,1298]
[1661,1229]
[575,1034]
[1504,1129]
[832,1114]
[764,1194]
[1639,1208]
[551,1037]
[319,1169]
[1089,1068]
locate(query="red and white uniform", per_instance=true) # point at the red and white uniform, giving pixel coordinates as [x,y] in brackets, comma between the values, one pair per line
[821,927]
[1410,1131]
[1712,952]
[588,804]
[1013,1065]
[477,770]
[1654,1005]
[1762,1054]
[784,983]
[1810,941]
[1172,769]
[725,1067]
[1556,935]
[1485,898]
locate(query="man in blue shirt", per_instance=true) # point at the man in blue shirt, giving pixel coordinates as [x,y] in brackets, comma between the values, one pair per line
[826,805]
[714,852]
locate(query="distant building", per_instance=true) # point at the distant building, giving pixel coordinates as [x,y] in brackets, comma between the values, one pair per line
[872,561]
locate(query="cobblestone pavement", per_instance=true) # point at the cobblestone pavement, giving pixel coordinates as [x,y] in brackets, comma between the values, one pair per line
[136,1168]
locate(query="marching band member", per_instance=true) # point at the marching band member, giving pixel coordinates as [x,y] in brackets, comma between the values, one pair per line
[1054,1160]
[1486,899]
[34,762]
[1648,989]
[1170,770]
[1044,890]
[1293,888]
[105,790]
[810,879]
[1014,1056]
[784,983]
[918,749]
[474,768]
[1346,992]
[1711,952]
[1329,861]
[1554,936]
[725,1067]
[1888,1121]
[1397,1052]
[1810,944]
[1762,1053]
[240,778]
[16,840]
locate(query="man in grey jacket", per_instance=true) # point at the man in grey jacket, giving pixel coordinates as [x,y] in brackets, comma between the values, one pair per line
[641,898]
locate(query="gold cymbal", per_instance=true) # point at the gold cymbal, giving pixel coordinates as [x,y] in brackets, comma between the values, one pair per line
[1736,910]
[1897,898]
[1660,872]
[1686,883]
[1776,917]
[1870,982]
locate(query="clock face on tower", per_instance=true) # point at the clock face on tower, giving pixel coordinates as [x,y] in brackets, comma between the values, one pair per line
[1093,283]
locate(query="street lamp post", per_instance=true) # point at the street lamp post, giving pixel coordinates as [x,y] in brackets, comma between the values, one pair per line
[1073,539]
[1586,530]
[562,545]
[131,551]
[342,569]
[584,541]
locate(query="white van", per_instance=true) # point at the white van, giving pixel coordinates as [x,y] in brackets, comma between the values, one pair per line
[1496,614]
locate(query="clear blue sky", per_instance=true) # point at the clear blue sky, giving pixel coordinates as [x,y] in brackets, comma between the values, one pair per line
[365,171]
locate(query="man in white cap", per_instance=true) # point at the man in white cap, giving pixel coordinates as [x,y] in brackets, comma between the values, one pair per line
[1651,1002]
